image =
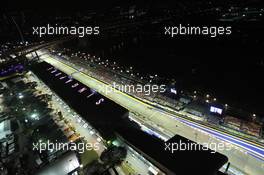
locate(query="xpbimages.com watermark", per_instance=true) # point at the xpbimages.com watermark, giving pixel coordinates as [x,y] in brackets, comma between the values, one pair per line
[192,146]
[146,89]
[80,31]
[212,31]
[51,146]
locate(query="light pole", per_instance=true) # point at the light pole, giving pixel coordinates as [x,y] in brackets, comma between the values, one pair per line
[19,30]
[21,35]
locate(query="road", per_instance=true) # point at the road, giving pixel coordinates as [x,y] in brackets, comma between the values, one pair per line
[248,157]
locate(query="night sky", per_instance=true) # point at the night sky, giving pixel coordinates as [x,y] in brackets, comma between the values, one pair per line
[228,67]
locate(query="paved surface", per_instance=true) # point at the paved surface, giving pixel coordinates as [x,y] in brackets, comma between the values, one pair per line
[245,156]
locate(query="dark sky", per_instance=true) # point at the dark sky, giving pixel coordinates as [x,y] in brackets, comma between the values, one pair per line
[230,69]
[103,4]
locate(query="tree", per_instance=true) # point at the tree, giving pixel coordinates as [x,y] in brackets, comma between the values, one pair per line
[113,156]
[95,168]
